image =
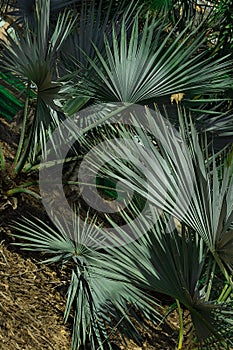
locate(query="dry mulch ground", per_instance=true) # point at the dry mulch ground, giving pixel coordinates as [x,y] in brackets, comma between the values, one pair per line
[30,308]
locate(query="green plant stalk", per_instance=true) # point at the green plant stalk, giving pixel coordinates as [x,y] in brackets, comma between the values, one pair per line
[29,167]
[171,309]
[181,331]
[23,190]
[2,160]
[28,184]
[210,283]
[225,293]
[22,134]
[23,159]
[222,268]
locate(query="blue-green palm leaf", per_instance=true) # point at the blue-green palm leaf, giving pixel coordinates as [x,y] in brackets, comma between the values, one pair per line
[32,56]
[89,34]
[146,64]
[179,178]
[174,264]
[101,303]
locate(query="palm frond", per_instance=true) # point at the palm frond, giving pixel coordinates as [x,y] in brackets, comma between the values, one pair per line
[102,302]
[31,55]
[173,264]
[176,175]
[90,32]
[146,64]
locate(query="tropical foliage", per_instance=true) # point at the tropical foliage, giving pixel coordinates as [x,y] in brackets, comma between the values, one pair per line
[177,159]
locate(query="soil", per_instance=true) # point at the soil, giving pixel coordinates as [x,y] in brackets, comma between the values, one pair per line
[33,296]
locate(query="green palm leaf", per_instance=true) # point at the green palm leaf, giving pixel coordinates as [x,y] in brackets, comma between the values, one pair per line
[173,264]
[102,302]
[146,64]
[32,56]
[177,177]
[90,32]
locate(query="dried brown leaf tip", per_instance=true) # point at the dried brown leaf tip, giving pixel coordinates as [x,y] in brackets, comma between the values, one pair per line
[177,97]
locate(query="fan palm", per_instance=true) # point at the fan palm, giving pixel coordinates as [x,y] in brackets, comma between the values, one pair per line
[31,55]
[180,178]
[90,32]
[195,187]
[101,303]
[149,63]
[175,264]
[175,174]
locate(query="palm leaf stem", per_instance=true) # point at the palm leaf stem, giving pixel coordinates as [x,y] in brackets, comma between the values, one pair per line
[23,190]
[227,290]
[210,283]
[223,269]
[22,134]
[2,160]
[181,331]
[29,167]
[29,184]
[24,156]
